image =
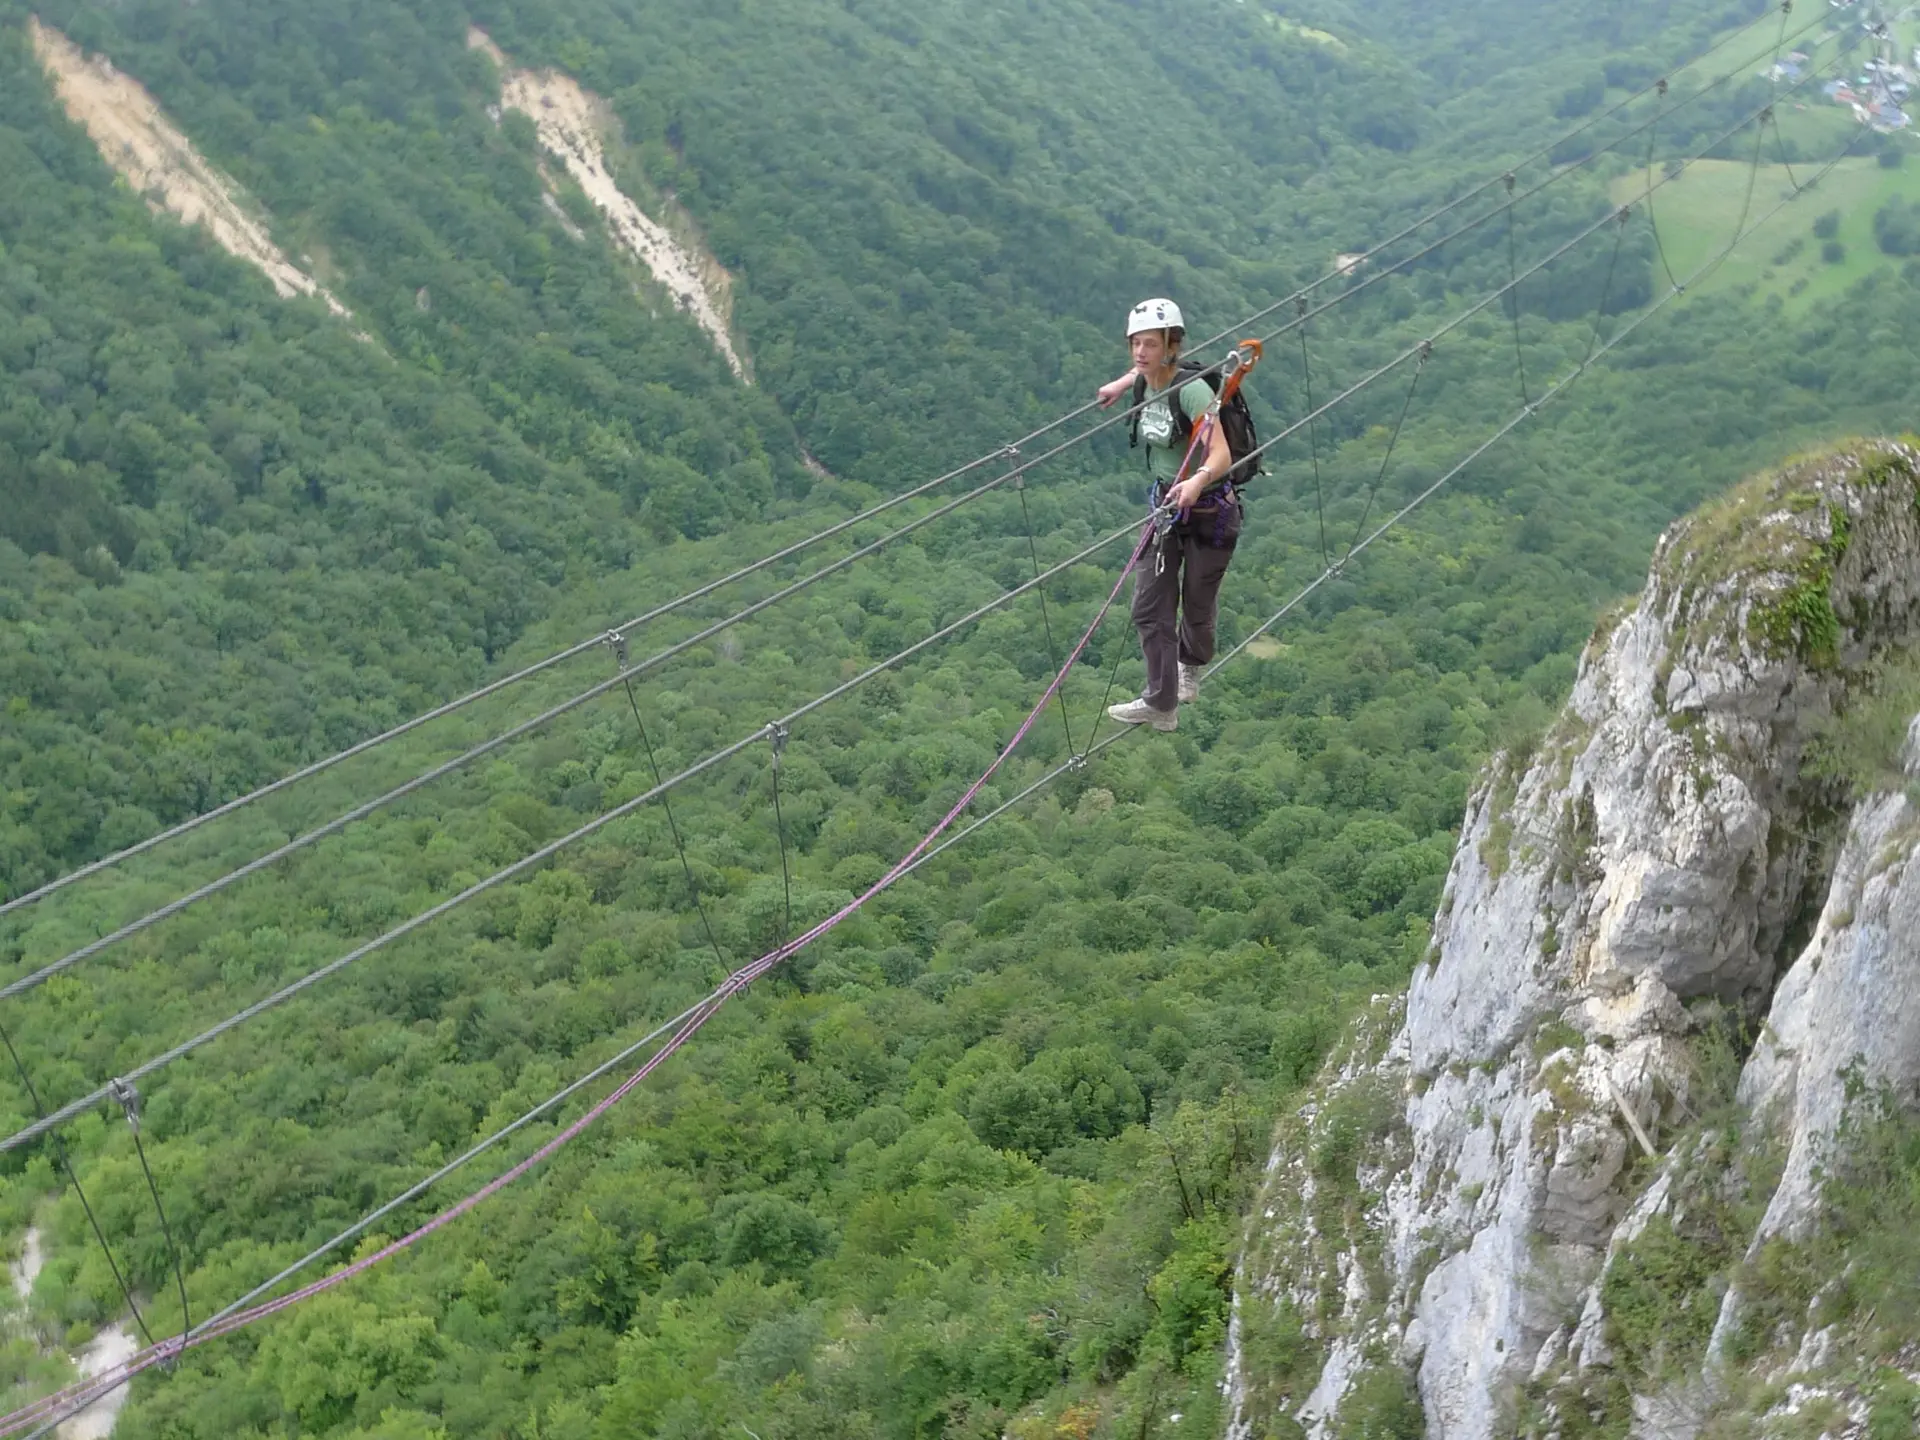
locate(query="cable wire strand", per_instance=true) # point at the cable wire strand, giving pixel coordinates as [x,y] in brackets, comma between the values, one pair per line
[551,848]
[1393,441]
[1572,167]
[64,1403]
[1780,147]
[779,739]
[1658,243]
[1606,288]
[1420,349]
[359,812]
[1313,445]
[362,747]
[673,828]
[1046,619]
[696,1019]
[1421,346]
[1545,152]
[129,1099]
[65,1161]
[1513,297]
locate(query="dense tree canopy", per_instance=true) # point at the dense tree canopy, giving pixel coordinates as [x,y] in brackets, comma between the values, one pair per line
[973,1164]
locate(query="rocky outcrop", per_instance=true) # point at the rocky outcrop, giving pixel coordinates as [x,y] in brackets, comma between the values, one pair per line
[1625,893]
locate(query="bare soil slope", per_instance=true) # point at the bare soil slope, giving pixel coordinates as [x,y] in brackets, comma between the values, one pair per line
[572,124]
[159,162]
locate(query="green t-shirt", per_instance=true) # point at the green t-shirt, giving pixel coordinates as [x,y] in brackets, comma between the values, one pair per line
[1165,448]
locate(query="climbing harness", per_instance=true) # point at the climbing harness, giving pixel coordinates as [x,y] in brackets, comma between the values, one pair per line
[1161,515]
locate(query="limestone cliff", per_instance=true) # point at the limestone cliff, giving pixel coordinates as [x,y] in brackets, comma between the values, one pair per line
[1531,1199]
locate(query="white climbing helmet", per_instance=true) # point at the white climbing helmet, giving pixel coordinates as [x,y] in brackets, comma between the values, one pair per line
[1156,314]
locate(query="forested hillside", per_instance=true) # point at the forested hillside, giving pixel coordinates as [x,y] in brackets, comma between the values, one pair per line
[974,1165]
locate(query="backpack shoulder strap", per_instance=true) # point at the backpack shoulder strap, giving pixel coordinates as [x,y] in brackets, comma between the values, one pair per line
[1185,375]
[1133,421]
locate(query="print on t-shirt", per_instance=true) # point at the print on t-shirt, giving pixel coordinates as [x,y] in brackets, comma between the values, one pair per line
[1156,421]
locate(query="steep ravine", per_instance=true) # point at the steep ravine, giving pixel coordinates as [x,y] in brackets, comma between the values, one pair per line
[1551,1193]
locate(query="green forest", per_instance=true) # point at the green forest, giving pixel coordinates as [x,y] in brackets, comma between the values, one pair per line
[976,1164]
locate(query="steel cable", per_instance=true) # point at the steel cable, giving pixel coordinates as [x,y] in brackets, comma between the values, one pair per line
[64,1403]
[306,772]
[551,848]
[1419,350]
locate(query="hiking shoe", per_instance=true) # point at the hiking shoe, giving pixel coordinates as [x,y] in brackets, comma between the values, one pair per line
[1189,684]
[1138,712]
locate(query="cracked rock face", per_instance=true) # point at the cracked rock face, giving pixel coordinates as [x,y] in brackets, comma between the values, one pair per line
[1660,851]
[1850,1006]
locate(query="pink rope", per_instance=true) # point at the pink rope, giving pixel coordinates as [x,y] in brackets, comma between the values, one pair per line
[75,1397]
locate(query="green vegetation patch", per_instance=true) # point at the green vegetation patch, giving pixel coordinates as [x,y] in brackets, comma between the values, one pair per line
[1698,211]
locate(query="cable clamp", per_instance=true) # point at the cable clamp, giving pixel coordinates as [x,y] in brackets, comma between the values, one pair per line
[1766,115]
[616,641]
[1300,304]
[125,1094]
[1507,180]
[1426,351]
[1076,763]
[1626,214]
[1011,454]
[777,733]
[1660,87]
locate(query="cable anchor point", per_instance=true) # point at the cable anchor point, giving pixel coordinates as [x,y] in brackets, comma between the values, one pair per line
[616,641]
[126,1095]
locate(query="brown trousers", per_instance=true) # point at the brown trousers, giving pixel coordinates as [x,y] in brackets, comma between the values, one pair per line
[1176,597]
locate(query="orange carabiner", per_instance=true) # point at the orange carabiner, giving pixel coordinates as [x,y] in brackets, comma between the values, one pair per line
[1244,357]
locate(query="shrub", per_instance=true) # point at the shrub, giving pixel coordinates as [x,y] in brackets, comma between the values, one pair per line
[1896,227]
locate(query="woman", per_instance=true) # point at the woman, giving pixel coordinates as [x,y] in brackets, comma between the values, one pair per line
[1176,592]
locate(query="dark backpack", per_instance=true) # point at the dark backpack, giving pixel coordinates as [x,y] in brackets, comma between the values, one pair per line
[1235,419]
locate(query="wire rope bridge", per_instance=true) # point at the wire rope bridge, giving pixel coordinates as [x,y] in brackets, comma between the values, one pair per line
[1004,466]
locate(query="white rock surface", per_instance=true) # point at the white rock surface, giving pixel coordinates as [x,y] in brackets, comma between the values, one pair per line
[1849,1003]
[1661,849]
